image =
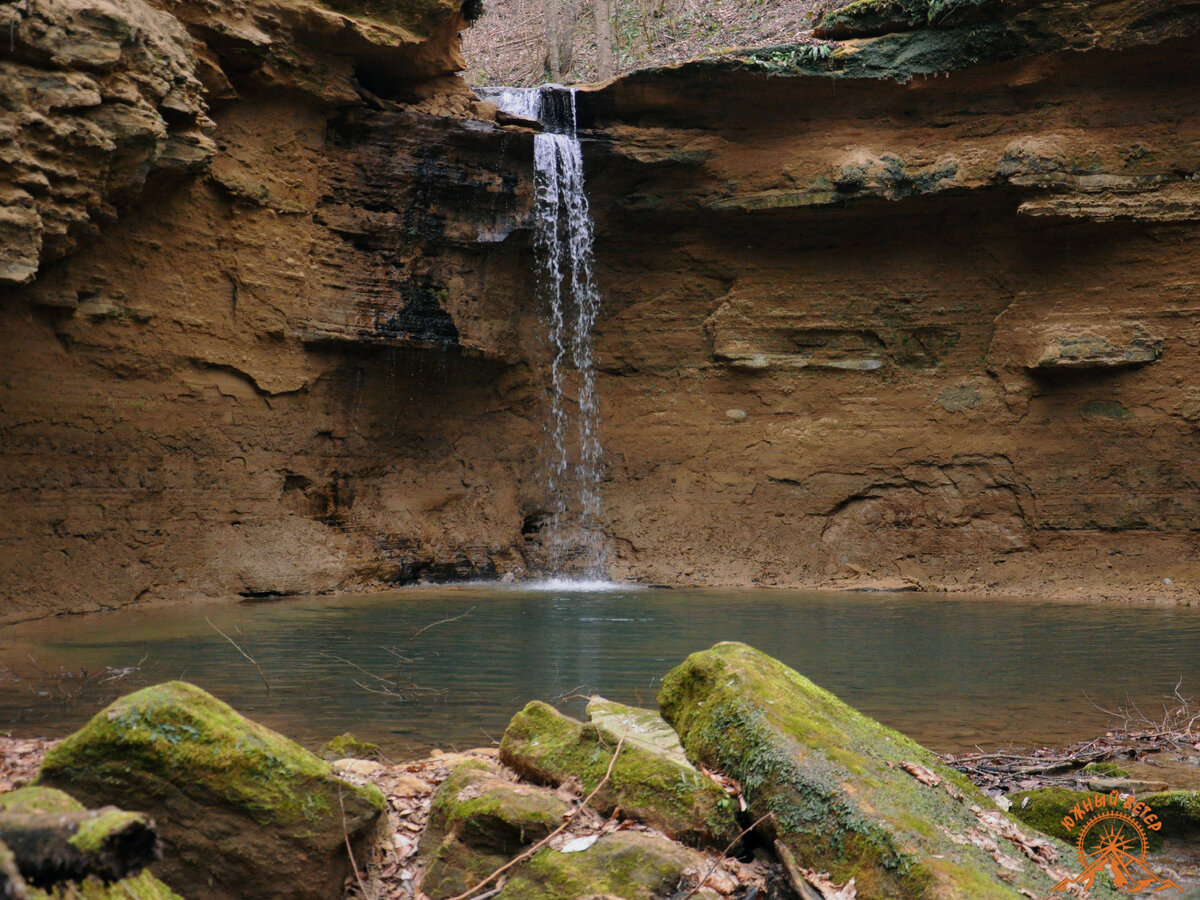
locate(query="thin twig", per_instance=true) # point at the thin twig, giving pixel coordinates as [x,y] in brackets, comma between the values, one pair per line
[716,862]
[444,622]
[471,894]
[241,651]
[353,863]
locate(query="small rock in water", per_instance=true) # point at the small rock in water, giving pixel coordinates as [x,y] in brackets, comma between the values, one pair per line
[1167,581]
[736,414]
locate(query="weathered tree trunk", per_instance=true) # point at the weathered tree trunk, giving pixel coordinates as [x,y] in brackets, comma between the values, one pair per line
[53,847]
[12,887]
[602,10]
[553,64]
[560,36]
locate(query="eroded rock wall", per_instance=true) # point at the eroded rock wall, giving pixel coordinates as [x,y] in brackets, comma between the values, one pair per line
[937,331]
[866,322]
[293,364]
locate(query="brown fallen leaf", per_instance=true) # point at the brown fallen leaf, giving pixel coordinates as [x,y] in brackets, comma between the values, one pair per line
[922,774]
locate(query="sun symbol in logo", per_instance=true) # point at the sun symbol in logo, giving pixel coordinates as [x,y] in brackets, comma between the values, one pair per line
[1111,835]
[1115,842]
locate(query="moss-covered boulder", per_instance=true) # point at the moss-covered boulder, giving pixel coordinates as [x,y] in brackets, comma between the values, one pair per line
[649,783]
[35,800]
[478,821]
[849,796]
[242,811]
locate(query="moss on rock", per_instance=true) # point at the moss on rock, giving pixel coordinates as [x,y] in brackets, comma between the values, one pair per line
[838,783]
[34,800]
[869,18]
[240,808]
[628,865]
[347,746]
[1044,809]
[477,821]
[144,886]
[1105,770]
[1179,811]
[647,783]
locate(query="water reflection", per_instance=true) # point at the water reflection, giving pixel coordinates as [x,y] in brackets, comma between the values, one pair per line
[952,673]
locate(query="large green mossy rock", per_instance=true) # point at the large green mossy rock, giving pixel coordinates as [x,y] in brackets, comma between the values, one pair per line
[241,811]
[34,800]
[848,795]
[650,783]
[478,820]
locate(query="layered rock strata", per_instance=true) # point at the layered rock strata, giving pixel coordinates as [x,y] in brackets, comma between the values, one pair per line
[911,306]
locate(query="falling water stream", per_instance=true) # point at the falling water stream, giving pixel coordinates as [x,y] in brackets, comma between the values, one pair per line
[563,246]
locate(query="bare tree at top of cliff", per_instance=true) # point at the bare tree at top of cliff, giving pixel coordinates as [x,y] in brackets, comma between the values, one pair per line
[602,11]
[561,16]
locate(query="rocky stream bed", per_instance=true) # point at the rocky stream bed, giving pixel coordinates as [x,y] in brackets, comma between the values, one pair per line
[748,782]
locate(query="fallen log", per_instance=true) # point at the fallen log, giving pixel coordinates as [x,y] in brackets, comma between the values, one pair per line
[50,848]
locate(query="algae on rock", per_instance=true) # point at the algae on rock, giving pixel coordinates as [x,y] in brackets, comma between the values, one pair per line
[241,809]
[649,783]
[847,795]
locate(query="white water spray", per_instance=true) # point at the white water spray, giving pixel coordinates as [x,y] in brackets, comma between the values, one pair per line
[563,244]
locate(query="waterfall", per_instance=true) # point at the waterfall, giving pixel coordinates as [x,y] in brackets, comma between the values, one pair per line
[563,247]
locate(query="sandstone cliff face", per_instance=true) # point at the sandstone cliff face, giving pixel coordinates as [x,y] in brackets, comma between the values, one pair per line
[866,320]
[957,309]
[266,373]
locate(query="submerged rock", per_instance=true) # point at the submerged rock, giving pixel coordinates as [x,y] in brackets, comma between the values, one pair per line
[651,780]
[242,811]
[847,795]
